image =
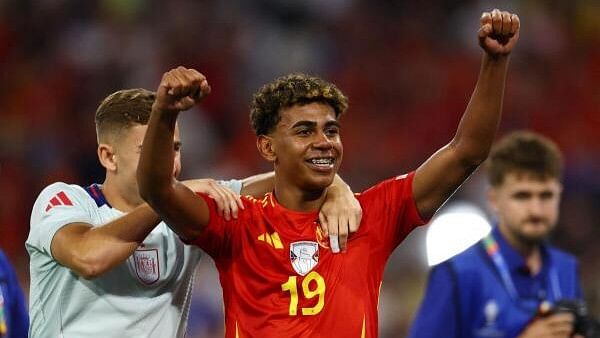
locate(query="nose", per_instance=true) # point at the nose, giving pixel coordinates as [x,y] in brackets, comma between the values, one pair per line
[322,141]
[536,206]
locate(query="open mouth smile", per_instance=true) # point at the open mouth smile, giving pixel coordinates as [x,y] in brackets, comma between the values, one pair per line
[321,163]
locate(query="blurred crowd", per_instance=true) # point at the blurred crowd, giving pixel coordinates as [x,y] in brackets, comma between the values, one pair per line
[407,66]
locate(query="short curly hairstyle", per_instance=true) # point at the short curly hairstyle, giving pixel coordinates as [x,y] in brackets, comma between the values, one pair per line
[524,152]
[290,90]
[121,110]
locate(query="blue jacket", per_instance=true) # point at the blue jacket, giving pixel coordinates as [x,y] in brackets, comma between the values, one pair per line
[14,321]
[467,297]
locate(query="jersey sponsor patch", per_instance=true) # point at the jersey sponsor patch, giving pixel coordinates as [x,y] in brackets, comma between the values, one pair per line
[59,199]
[304,256]
[146,265]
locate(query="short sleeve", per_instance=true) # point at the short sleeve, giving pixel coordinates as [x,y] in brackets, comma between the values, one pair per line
[235,185]
[57,205]
[389,210]
[439,310]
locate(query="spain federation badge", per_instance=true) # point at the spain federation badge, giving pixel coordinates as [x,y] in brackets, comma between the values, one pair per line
[146,264]
[304,256]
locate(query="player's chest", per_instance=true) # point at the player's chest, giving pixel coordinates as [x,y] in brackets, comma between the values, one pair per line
[281,250]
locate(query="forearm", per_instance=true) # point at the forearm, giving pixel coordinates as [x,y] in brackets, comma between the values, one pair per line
[155,169]
[98,250]
[480,121]
[258,185]
[339,185]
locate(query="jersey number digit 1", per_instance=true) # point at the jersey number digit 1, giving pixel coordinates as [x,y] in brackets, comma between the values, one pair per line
[292,286]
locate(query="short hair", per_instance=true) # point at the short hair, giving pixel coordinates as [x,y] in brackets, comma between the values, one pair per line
[121,110]
[524,152]
[290,90]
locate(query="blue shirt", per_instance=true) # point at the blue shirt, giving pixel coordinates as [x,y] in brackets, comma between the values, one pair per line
[466,295]
[14,320]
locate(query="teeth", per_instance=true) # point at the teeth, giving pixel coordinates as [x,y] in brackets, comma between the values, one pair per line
[322,161]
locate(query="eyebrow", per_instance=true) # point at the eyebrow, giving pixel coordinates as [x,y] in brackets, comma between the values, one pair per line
[312,124]
[309,124]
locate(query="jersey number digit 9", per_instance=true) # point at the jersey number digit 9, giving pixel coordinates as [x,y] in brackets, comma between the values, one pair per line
[292,286]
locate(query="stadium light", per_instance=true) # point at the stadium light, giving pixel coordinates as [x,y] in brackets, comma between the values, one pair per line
[455,229]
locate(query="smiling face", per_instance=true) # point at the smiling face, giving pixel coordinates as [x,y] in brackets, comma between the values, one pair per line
[527,207]
[305,146]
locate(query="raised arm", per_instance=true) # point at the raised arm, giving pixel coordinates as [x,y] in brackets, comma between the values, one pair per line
[437,178]
[176,204]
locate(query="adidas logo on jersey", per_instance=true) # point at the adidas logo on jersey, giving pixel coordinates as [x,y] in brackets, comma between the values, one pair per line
[58,199]
[271,239]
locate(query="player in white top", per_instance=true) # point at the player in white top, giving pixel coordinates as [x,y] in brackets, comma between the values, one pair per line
[102,264]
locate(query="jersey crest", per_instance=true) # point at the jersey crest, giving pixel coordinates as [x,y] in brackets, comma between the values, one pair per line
[146,265]
[304,256]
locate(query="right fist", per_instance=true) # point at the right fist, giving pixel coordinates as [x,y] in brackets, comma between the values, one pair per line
[499,32]
[180,89]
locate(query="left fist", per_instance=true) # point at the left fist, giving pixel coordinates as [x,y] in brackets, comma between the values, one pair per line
[499,32]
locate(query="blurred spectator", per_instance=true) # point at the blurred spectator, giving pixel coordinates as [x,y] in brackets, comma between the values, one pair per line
[14,321]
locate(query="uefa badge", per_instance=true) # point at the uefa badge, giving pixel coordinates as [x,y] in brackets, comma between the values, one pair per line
[146,265]
[304,256]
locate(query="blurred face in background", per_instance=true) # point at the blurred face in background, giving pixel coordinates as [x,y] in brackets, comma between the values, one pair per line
[527,206]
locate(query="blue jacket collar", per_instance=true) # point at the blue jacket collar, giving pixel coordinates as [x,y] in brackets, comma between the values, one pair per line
[514,260]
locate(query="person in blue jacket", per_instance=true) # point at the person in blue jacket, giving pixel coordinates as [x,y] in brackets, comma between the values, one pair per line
[14,321]
[504,285]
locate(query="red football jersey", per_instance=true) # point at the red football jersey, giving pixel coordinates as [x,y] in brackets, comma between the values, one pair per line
[280,279]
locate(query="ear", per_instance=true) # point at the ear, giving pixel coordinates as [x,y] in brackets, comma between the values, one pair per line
[106,155]
[266,148]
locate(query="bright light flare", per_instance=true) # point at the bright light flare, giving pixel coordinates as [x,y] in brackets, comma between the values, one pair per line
[455,229]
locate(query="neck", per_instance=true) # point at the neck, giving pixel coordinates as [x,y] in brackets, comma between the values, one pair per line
[297,199]
[117,198]
[530,252]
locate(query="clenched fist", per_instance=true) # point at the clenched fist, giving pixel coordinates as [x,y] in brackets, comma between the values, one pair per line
[499,32]
[180,89]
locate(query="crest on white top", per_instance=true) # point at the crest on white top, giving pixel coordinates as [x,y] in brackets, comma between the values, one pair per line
[146,265]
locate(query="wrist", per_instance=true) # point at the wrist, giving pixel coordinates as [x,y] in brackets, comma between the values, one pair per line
[500,59]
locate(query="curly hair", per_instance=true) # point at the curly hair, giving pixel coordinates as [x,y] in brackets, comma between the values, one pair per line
[290,90]
[524,152]
[121,110]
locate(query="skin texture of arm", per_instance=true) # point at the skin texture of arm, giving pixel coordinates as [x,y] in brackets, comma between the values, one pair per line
[449,167]
[92,251]
[176,204]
